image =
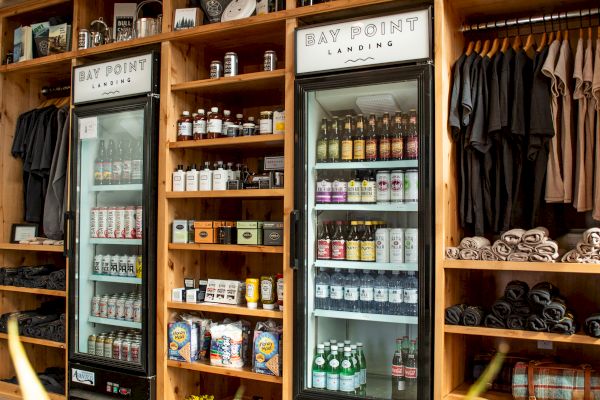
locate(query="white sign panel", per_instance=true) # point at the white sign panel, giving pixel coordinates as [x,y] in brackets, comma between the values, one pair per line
[357,43]
[112,79]
[81,376]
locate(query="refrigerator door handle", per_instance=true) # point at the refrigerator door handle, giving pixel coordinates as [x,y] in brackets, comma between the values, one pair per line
[294,219]
[67,233]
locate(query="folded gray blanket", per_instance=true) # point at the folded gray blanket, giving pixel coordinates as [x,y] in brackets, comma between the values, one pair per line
[555,310]
[535,235]
[454,314]
[487,254]
[475,242]
[516,291]
[525,248]
[548,247]
[513,236]
[469,254]
[592,237]
[518,256]
[473,316]
[535,257]
[502,249]
[586,249]
[492,321]
[537,323]
[501,309]
[572,256]
[515,321]
[453,253]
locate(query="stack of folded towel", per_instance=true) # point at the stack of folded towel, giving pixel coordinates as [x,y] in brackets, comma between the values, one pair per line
[540,309]
[39,277]
[587,250]
[513,245]
[46,322]
[592,325]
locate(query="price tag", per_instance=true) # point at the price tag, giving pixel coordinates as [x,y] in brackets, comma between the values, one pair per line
[88,128]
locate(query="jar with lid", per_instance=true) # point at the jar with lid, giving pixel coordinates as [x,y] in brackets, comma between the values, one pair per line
[184,127]
[227,122]
[249,127]
[266,122]
[199,125]
[214,126]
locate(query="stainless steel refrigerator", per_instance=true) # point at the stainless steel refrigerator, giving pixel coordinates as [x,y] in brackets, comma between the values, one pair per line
[112,226]
[363,229]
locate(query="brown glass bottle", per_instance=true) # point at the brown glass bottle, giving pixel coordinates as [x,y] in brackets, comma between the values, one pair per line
[215,123]
[199,126]
[385,142]
[184,127]
[353,243]
[347,142]
[412,137]
[322,142]
[397,140]
[338,242]
[367,243]
[359,143]
[324,243]
[371,141]
[333,142]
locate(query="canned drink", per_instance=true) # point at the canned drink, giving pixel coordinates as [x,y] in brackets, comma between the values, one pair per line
[135,351]
[125,350]
[270,61]
[123,265]
[119,222]
[129,309]
[120,313]
[382,245]
[108,344]
[230,65]
[94,222]
[114,265]
[411,245]
[139,222]
[397,245]
[137,310]
[138,267]
[116,348]
[92,345]
[216,69]
[101,222]
[411,185]
[96,306]
[111,308]
[129,222]
[383,186]
[131,260]
[84,39]
[106,264]
[100,346]
[104,306]
[397,186]
[110,222]
[98,264]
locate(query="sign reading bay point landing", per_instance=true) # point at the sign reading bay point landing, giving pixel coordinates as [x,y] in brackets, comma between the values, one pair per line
[361,42]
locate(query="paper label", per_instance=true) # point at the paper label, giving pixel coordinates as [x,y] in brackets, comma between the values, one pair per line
[88,128]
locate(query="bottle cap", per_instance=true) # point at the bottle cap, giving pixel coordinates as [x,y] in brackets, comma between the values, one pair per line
[269,306]
[226,112]
[239,116]
[252,305]
[320,346]
[359,344]
[251,119]
[201,111]
[214,109]
[186,113]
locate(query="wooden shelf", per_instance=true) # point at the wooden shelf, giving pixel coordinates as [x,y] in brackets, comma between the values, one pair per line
[244,373]
[110,48]
[46,292]
[258,141]
[522,335]
[261,81]
[10,391]
[39,342]
[523,266]
[226,309]
[31,247]
[460,392]
[238,248]
[49,65]
[227,194]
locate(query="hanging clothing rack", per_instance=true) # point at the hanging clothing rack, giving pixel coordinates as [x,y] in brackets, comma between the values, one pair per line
[51,91]
[515,22]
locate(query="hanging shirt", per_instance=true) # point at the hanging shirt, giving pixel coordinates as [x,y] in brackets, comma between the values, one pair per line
[563,69]
[476,205]
[579,192]
[454,120]
[596,95]
[468,93]
[494,132]
[588,77]
[506,99]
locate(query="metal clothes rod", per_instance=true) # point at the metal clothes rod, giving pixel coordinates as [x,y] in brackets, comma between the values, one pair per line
[554,17]
[46,90]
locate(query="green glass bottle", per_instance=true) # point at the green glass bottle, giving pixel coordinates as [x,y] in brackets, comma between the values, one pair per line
[319,375]
[356,366]
[362,362]
[347,372]
[333,370]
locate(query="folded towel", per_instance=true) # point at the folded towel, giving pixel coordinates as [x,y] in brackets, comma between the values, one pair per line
[571,256]
[592,237]
[501,309]
[491,321]
[586,249]
[525,248]
[515,321]
[518,256]
[537,323]
[555,310]
[454,314]
[516,291]
[542,294]
[453,253]
[565,325]
[535,257]
[535,235]
[522,309]
[592,325]
[501,248]
[513,236]
[473,316]
[469,254]
[475,242]
[549,247]
[487,254]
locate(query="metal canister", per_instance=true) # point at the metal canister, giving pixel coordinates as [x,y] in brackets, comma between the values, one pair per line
[382,245]
[139,222]
[411,185]
[94,222]
[123,265]
[116,348]
[129,309]
[411,245]
[230,65]
[137,311]
[92,345]
[104,306]
[100,345]
[216,69]
[383,186]
[135,351]
[106,264]
[120,313]
[131,266]
[397,186]
[266,122]
[125,350]
[397,245]
[98,264]
[96,306]
[270,61]
[108,345]
[101,222]
[114,265]
[129,222]
[84,39]
[111,308]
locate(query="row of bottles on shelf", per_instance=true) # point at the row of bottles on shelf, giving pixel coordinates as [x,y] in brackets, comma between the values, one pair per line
[375,139]
[117,222]
[119,164]
[118,345]
[396,295]
[370,241]
[121,306]
[368,186]
[123,265]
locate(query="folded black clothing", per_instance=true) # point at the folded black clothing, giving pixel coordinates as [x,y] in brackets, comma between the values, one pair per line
[537,323]
[592,325]
[57,280]
[542,293]
[515,321]
[566,325]
[28,272]
[7,272]
[38,282]
[516,291]
[53,379]
[501,309]
[454,314]
[555,310]
[473,316]
[492,321]
[522,309]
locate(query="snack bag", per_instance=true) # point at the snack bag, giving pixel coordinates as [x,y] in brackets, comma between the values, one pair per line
[267,348]
[226,345]
[183,341]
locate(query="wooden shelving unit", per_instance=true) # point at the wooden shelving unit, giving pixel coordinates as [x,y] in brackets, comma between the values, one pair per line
[228,194]
[460,393]
[237,248]
[226,309]
[10,391]
[567,268]
[45,292]
[578,338]
[243,373]
[257,142]
[31,247]
[253,81]
[36,341]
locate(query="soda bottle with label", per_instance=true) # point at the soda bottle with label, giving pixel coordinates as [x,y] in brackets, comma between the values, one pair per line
[367,243]
[359,145]
[347,372]
[333,142]
[322,281]
[333,370]
[126,168]
[327,346]
[117,165]
[319,375]
[353,243]
[398,380]
[324,243]
[410,370]
[356,366]
[322,142]
[397,139]
[107,171]
[381,293]
[99,164]
[385,138]
[137,154]
[411,150]
[367,283]
[351,295]
[371,143]
[405,347]
[362,362]
[347,142]
[336,291]
[338,242]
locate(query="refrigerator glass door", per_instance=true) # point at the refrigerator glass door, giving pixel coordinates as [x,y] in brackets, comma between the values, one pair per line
[108,237]
[362,272]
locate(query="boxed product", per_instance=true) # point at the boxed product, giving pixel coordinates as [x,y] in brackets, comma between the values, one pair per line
[202,284]
[224,291]
[204,232]
[279,122]
[178,294]
[273,233]
[179,232]
[183,341]
[267,348]
[249,232]
[191,295]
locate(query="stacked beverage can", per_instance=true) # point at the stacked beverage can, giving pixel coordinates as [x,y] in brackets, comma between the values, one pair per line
[119,223]
[397,186]
[92,345]
[101,222]
[123,265]
[383,186]
[411,185]
[138,266]
[114,265]
[131,266]
[110,221]
[129,222]
[138,222]
[382,245]
[411,249]
[96,306]
[112,307]
[397,245]
[106,264]
[98,264]
[94,222]
[100,345]
[104,306]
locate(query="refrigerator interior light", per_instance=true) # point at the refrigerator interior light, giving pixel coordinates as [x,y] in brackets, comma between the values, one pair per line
[377,104]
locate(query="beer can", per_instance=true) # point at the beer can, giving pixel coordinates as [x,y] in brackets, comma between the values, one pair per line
[106,264]
[131,260]
[100,346]
[116,348]
[135,351]
[98,264]
[123,265]
[411,185]
[137,310]
[111,308]
[411,245]
[92,345]
[114,265]
[119,222]
[230,65]
[101,222]
[270,61]
[382,245]
[216,69]
[397,186]
[110,222]
[94,222]
[84,39]
[125,350]
[130,222]
[397,245]
[108,344]
[129,309]
[138,266]
[120,311]
[104,306]
[96,306]
[139,222]
[383,186]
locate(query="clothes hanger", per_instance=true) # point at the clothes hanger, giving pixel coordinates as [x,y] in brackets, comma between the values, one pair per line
[505,42]
[580,25]
[494,49]
[486,48]
[566,32]
[478,46]
[517,43]
[470,48]
[530,39]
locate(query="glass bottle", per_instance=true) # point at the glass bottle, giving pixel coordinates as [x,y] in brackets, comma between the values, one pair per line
[368,192]
[227,122]
[107,172]
[412,137]
[137,157]
[333,370]
[347,143]
[336,292]
[199,125]
[353,243]
[117,164]
[367,244]
[338,242]
[184,127]
[99,164]
[339,192]
[126,172]
[333,142]
[367,283]
[351,296]
[362,361]
[371,142]
[214,126]
[324,243]
[354,189]
[381,293]
[322,282]
[385,142]
[319,374]
[322,142]
[398,382]
[397,145]
[410,370]
[356,366]
[347,373]
[359,145]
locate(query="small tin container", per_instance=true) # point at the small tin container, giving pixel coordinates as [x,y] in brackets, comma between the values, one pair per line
[84,39]
[249,232]
[227,235]
[273,233]
[230,65]
[266,122]
[270,61]
[216,69]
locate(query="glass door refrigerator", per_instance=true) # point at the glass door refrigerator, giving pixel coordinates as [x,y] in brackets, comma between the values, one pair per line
[112,243]
[364,220]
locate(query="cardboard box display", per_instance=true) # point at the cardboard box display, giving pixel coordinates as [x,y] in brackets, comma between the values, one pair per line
[249,232]
[224,291]
[204,232]
[183,341]
[191,295]
[186,18]
[178,294]
[179,231]
[273,233]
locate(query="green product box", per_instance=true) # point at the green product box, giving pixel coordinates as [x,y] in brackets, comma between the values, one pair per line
[250,232]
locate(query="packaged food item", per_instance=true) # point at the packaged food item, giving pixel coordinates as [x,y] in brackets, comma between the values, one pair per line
[226,346]
[183,341]
[267,292]
[252,292]
[267,348]
[280,286]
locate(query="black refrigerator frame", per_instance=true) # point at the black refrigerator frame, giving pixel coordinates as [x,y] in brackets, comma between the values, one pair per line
[149,102]
[422,71]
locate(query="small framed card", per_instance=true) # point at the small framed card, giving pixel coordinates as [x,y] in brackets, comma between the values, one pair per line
[22,232]
[186,18]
